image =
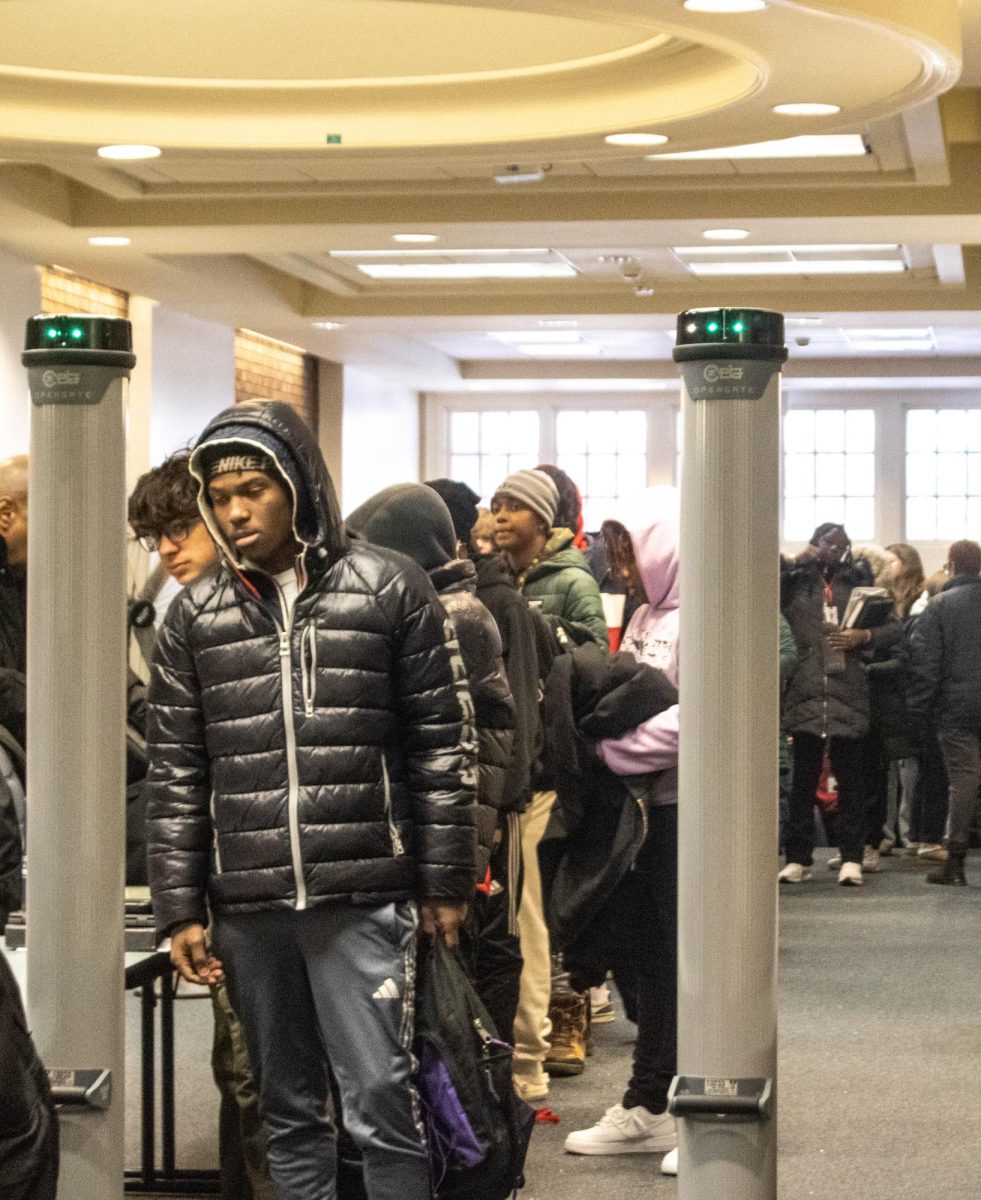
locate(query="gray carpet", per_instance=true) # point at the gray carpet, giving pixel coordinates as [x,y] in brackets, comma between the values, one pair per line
[880,1055]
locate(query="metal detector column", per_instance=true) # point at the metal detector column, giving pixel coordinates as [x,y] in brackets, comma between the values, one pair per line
[725,1092]
[76,715]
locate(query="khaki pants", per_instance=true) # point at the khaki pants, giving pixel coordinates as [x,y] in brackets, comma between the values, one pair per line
[531,1026]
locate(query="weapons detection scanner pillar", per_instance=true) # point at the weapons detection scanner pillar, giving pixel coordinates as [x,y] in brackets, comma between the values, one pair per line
[725,1092]
[76,716]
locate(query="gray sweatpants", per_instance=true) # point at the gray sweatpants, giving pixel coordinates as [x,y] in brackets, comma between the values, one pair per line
[333,983]
[962,757]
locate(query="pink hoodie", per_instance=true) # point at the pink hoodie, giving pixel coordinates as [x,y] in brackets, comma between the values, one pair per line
[652,637]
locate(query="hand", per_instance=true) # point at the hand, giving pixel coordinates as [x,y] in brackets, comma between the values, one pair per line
[439,916]
[849,639]
[191,955]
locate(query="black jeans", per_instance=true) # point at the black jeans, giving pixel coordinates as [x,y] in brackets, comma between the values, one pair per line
[930,794]
[847,766]
[645,907]
[876,788]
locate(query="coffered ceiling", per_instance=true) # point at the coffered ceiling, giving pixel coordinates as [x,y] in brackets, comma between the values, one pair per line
[299,140]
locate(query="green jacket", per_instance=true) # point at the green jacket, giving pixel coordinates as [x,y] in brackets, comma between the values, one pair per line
[566,591]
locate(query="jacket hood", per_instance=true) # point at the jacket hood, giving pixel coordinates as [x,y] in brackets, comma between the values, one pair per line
[279,431]
[410,518]
[560,553]
[652,519]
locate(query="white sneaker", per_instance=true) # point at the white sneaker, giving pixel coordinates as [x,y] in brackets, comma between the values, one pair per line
[626,1131]
[601,1010]
[850,875]
[794,873]
[886,847]
[870,859]
[669,1163]
[834,862]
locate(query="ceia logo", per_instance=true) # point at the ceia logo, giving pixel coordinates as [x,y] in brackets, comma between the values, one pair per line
[52,379]
[713,373]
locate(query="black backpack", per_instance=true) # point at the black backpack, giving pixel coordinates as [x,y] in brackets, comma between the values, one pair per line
[477,1129]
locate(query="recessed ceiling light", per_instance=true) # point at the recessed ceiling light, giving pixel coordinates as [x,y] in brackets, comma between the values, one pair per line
[415,237]
[807,109]
[477,270]
[807,145]
[128,152]
[725,6]
[517,174]
[635,139]
[328,325]
[108,241]
[726,235]
[803,321]
[817,266]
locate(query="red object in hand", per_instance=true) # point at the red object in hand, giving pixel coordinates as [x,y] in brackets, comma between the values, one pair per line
[545,1116]
[485,886]
[827,788]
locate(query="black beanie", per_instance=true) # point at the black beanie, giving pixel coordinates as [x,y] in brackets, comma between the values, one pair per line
[461,500]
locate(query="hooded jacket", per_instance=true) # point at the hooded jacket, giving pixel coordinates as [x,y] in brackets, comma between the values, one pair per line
[412,519]
[13,645]
[945,658]
[816,702]
[563,587]
[652,637]
[325,759]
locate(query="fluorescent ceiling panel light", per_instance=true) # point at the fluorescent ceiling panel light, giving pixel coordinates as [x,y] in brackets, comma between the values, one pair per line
[808,108]
[892,335]
[558,323]
[443,251]
[830,248]
[415,237]
[129,153]
[543,337]
[328,324]
[532,175]
[804,321]
[725,6]
[581,350]
[812,145]
[635,139]
[897,344]
[456,271]
[726,235]
[109,241]
[818,266]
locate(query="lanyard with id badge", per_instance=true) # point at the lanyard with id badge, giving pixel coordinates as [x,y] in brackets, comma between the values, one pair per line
[834,658]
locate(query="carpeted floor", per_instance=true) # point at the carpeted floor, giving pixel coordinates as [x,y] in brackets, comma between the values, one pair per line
[880,1055]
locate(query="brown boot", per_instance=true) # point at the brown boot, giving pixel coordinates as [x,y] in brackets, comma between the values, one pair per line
[567,1043]
[951,872]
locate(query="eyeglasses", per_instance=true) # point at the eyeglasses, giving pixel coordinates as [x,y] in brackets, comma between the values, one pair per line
[176,533]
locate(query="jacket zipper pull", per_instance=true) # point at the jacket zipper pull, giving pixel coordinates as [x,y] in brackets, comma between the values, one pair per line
[284,645]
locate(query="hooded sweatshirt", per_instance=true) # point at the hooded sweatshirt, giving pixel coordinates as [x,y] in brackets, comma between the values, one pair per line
[310,755]
[652,637]
[413,519]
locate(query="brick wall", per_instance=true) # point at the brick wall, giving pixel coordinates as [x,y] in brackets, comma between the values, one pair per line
[272,370]
[64,292]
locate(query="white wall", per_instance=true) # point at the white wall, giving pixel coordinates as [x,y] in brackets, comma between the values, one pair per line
[380,437]
[193,378]
[20,298]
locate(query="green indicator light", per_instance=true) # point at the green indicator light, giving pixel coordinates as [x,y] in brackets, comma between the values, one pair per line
[738,327]
[52,333]
[712,326]
[77,333]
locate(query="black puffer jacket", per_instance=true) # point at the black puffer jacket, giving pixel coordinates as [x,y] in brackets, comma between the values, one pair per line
[328,761]
[412,519]
[827,705]
[945,658]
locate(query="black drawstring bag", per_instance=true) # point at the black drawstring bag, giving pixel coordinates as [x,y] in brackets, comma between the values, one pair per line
[477,1129]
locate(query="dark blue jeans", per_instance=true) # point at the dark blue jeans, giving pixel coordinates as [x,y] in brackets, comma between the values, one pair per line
[330,984]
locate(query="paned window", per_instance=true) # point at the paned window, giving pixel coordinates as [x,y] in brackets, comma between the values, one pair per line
[829,471]
[486,447]
[943,474]
[605,453]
